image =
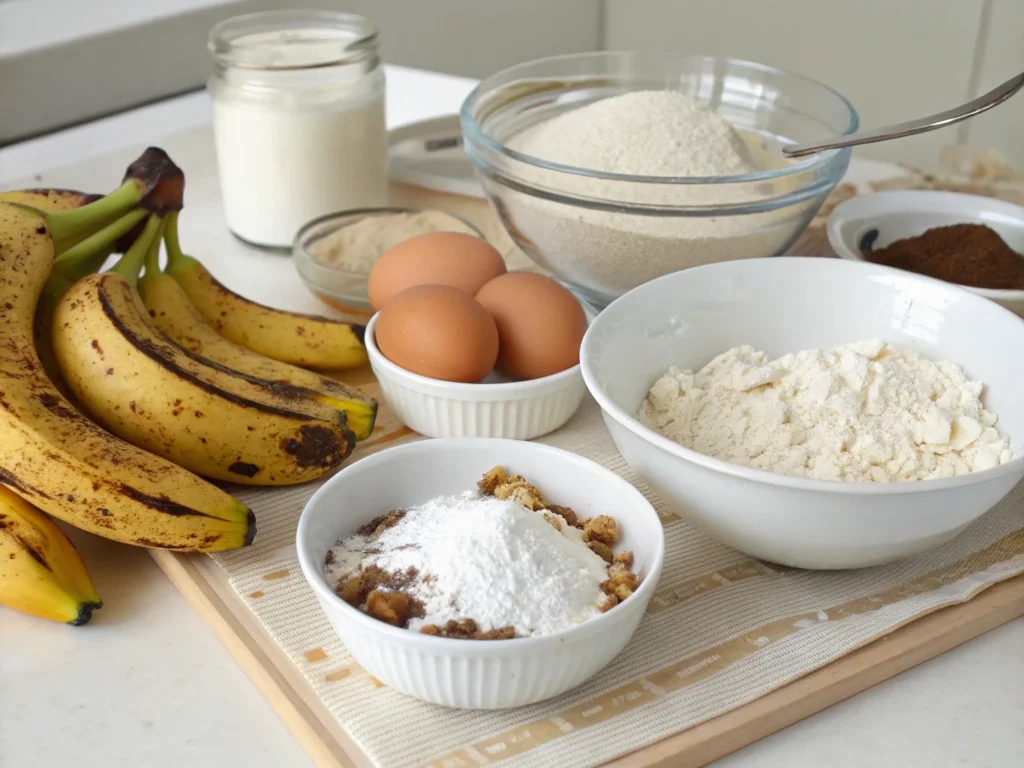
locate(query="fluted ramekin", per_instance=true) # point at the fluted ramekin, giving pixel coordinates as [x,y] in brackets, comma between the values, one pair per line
[478,674]
[518,410]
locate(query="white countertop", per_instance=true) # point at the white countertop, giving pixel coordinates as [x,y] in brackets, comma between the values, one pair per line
[148,684]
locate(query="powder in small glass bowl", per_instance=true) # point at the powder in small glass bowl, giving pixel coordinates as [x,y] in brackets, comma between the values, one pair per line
[356,247]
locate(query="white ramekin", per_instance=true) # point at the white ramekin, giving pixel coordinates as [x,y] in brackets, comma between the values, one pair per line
[472,674]
[517,410]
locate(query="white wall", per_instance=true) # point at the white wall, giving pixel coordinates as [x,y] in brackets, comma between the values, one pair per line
[894,59]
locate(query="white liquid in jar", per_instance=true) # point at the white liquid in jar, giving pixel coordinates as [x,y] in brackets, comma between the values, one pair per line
[280,169]
[298,118]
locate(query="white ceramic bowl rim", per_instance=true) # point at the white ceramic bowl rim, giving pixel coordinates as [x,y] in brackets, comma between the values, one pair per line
[311,567]
[844,211]
[456,388]
[475,131]
[631,423]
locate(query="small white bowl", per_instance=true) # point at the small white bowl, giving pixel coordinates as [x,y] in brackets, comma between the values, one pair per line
[899,214]
[472,674]
[784,305]
[517,410]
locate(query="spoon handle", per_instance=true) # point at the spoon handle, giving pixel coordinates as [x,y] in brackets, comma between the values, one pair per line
[974,107]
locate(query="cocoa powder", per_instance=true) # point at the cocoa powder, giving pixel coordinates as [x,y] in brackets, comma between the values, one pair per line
[966,254]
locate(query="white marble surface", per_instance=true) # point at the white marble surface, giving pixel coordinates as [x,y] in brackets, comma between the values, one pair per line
[148,684]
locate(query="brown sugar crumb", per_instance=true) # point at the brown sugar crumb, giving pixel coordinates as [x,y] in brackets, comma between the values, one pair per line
[492,480]
[555,520]
[351,590]
[378,525]
[622,584]
[601,528]
[356,588]
[529,497]
[518,489]
[625,559]
[565,513]
[467,629]
[601,550]
[609,602]
[389,607]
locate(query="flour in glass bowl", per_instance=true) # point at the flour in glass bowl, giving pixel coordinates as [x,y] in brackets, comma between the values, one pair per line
[647,133]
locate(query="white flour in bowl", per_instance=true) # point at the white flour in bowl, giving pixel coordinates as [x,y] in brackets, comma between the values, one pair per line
[862,412]
[488,559]
[653,133]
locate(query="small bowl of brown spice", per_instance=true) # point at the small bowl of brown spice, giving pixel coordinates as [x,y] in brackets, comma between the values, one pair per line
[972,241]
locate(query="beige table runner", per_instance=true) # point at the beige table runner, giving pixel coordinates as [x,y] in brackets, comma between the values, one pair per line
[723,629]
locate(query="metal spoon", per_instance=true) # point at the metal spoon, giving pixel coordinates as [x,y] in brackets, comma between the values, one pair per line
[974,107]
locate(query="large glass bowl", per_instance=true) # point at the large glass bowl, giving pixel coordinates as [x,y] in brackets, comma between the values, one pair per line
[603,234]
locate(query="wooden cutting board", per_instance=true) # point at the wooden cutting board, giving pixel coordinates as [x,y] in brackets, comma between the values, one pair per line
[205,586]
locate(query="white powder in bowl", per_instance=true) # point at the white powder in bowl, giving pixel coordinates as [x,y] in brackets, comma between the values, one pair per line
[487,559]
[644,133]
[653,133]
[356,247]
[861,412]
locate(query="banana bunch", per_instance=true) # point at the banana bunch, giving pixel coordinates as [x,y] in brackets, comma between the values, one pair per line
[40,570]
[177,317]
[302,340]
[50,454]
[152,392]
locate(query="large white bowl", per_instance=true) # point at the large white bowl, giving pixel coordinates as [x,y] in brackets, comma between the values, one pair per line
[784,305]
[880,218]
[465,673]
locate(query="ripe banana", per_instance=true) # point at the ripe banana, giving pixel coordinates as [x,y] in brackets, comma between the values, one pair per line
[65,464]
[146,389]
[49,200]
[304,340]
[54,201]
[177,317]
[40,570]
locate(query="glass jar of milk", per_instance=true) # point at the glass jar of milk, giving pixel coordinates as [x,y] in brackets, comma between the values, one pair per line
[298,118]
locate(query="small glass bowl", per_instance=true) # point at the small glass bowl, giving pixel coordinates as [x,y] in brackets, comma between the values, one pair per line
[340,288]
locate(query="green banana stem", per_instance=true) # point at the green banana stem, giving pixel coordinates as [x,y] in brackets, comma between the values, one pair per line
[176,260]
[67,226]
[99,241]
[153,254]
[152,182]
[129,265]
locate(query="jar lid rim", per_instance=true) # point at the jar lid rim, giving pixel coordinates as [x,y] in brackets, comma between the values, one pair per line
[292,40]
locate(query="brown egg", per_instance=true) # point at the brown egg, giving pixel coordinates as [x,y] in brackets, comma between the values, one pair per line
[540,324]
[435,258]
[438,331]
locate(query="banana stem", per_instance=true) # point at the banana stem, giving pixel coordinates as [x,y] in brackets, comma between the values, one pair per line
[66,226]
[175,258]
[129,265]
[153,254]
[101,240]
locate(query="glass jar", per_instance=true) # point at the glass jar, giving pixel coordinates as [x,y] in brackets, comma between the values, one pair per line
[298,119]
